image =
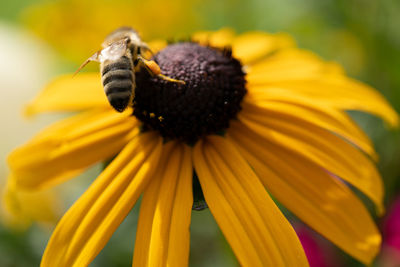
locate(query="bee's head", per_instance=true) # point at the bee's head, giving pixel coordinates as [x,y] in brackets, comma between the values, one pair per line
[122,33]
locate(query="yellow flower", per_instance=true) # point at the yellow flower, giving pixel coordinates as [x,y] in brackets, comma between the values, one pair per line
[75,27]
[282,132]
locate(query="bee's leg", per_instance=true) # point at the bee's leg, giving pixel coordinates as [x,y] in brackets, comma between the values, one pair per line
[166,78]
[153,68]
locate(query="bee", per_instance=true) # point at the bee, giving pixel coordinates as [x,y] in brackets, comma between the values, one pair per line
[120,58]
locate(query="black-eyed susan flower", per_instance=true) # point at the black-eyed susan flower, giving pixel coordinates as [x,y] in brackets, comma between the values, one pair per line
[260,118]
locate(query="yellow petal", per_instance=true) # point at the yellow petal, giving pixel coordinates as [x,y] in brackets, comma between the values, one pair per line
[87,226]
[254,227]
[69,147]
[294,107]
[67,93]
[320,200]
[324,149]
[162,237]
[290,64]
[252,46]
[21,208]
[220,39]
[334,90]
[157,45]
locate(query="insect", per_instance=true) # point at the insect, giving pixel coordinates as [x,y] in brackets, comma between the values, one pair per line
[120,58]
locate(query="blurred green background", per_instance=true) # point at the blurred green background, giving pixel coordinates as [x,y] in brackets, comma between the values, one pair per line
[40,39]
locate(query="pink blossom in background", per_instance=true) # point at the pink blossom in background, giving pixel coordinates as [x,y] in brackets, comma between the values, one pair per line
[390,254]
[318,251]
[391,226]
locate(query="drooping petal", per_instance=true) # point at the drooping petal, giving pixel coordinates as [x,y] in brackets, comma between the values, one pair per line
[312,194]
[70,146]
[162,237]
[294,107]
[253,46]
[20,208]
[89,223]
[324,148]
[67,93]
[254,227]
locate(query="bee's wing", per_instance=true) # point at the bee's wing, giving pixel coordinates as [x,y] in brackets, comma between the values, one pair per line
[112,52]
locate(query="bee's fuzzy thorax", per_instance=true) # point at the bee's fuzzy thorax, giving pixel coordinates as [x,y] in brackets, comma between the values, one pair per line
[211,97]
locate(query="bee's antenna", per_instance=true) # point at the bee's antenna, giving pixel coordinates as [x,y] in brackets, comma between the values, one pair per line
[94,57]
[81,67]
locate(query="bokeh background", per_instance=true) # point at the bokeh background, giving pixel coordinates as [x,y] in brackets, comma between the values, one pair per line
[41,39]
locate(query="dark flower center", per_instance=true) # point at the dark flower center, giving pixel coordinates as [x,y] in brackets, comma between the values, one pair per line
[211,97]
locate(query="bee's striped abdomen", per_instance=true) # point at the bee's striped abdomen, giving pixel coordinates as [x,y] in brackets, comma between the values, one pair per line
[118,81]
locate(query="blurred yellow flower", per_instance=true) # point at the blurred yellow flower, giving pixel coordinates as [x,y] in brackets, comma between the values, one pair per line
[279,127]
[77,28]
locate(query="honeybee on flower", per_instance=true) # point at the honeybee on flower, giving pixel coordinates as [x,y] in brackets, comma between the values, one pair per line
[278,128]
